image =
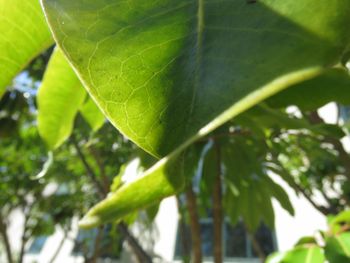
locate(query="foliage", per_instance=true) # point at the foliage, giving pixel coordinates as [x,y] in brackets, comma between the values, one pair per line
[332,245]
[201,85]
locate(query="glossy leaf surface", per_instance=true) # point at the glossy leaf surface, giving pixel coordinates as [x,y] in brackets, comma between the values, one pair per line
[24,34]
[166,71]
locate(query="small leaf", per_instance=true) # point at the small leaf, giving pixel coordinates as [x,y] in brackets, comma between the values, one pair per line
[59,98]
[24,35]
[164,179]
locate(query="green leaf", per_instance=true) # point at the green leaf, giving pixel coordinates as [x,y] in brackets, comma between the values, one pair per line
[308,240]
[165,72]
[334,85]
[311,254]
[59,98]
[343,217]
[338,248]
[166,178]
[92,114]
[24,35]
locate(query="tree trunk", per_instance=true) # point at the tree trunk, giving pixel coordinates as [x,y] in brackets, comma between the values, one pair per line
[3,233]
[194,225]
[217,209]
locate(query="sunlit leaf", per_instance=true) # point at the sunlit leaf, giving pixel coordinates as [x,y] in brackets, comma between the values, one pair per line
[24,34]
[59,99]
[167,72]
[164,71]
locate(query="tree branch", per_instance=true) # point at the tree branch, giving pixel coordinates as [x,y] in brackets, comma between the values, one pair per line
[195,226]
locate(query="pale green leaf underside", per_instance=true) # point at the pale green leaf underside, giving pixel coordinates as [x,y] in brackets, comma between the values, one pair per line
[60,97]
[168,72]
[24,34]
[162,70]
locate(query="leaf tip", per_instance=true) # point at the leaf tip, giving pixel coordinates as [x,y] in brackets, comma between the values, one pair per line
[89,221]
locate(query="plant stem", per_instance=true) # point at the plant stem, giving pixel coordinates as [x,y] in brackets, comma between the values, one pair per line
[217,209]
[194,225]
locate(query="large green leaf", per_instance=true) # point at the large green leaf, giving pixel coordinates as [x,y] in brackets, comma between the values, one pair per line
[24,34]
[164,71]
[59,98]
[168,72]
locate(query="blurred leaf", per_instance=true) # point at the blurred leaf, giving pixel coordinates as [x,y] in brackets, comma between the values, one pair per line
[59,98]
[338,248]
[310,254]
[24,34]
[306,241]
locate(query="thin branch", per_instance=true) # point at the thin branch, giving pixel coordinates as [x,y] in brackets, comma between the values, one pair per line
[90,172]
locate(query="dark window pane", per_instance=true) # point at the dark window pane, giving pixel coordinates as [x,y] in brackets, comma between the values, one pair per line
[264,237]
[183,241]
[236,241]
[37,245]
[207,234]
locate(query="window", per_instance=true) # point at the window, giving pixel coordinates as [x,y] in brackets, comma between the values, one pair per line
[37,245]
[236,242]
